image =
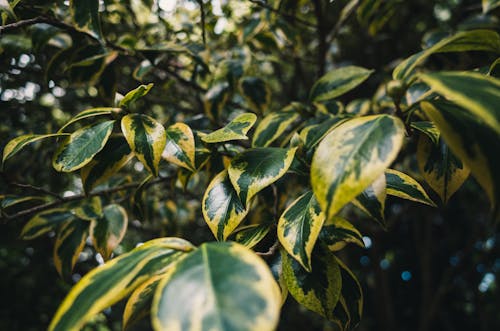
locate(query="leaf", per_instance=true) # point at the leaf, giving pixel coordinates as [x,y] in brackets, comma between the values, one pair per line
[318,290]
[139,303]
[16,144]
[180,147]
[477,93]
[272,127]
[311,135]
[215,99]
[221,207]
[441,169]
[372,200]
[489,5]
[403,186]
[494,69]
[219,286]
[44,222]
[85,16]
[234,130]
[114,156]
[299,227]
[146,138]
[90,113]
[428,128]
[135,94]
[70,241]
[351,157]
[251,235]
[256,93]
[7,201]
[337,82]
[351,301]
[337,232]
[254,169]
[89,211]
[358,107]
[108,231]
[114,280]
[475,40]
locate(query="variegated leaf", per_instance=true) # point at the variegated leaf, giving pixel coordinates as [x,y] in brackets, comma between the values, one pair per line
[348,312]
[114,280]
[180,147]
[221,207]
[256,93]
[337,232]
[358,107]
[311,135]
[256,168]
[234,130]
[7,201]
[337,82]
[135,94]
[70,241]
[372,200]
[108,231]
[489,5]
[146,138]
[272,127]
[85,16]
[427,128]
[44,222]
[219,286]
[90,113]
[78,149]
[139,304]
[351,157]
[299,227]
[403,186]
[16,144]
[251,235]
[215,99]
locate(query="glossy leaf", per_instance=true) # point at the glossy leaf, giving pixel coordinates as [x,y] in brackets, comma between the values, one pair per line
[337,232]
[251,235]
[358,107]
[299,227]
[85,16]
[113,281]
[311,135]
[428,128]
[139,304]
[180,147]
[78,149]
[204,291]
[256,93]
[272,127]
[215,99]
[90,113]
[256,168]
[234,130]
[146,138]
[403,186]
[7,201]
[135,94]
[372,200]
[337,82]
[70,241]
[89,210]
[353,156]
[16,144]
[108,231]
[44,222]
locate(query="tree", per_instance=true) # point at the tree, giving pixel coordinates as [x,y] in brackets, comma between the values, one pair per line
[215,156]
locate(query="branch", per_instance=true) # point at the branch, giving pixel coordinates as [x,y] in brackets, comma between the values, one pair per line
[37,189]
[293,18]
[203,32]
[272,250]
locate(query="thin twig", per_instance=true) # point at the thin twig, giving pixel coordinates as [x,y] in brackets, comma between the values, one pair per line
[203,30]
[37,189]
[271,251]
[262,4]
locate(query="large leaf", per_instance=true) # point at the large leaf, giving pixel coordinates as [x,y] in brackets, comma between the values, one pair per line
[146,138]
[256,168]
[403,186]
[337,82]
[180,147]
[90,113]
[299,227]
[272,127]
[139,303]
[221,207]
[337,232]
[311,135]
[372,200]
[108,231]
[219,286]
[256,93]
[135,94]
[16,144]
[428,128]
[69,243]
[475,40]
[44,222]
[78,149]
[351,157]
[348,311]
[113,281]
[234,130]
[85,16]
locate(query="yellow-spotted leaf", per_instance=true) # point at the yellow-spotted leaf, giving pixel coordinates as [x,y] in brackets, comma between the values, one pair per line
[256,168]
[337,82]
[91,113]
[139,304]
[106,163]
[441,169]
[474,142]
[478,94]
[403,186]
[299,227]
[251,235]
[108,231]
[180,147]
[135,94]
[235,130]
[348,312]
[79,148]
[256,93]
[116,279]
[318,290]
[219,286]
[215,99]
[372,200]
[85,16]
[44,222]
[146,138]
[221,207]
[351,157]
[70,241]
[272,127]
[311,135]
[428,128]
[337,232]
[16,144]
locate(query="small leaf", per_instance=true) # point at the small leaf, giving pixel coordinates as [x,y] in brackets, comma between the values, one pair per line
[337,232]
[135,94]
[427,128]
[358,107]
[256,93]
[78,149]
[16,144]
[372,200]
[251,235]
[7,201]
[107,232]
[489,5]
[234,130]
[146,138]
[90,113]
[215,99]
[180,147]
[85,16]
[44,222]
[337,82]
[139,303]
[90,210]
[205,291]
[403,186]
[69,243]
[272,127]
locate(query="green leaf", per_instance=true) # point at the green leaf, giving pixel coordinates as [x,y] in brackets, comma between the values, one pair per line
[139,303]
[70,241]
[311,135]
[254,169]
[441,169]
[494,69]
[78,149]
[85,16]
[372,200]
[489,5]
[477,93]
[215,99]
[428,128]
[108,231]
[180,147]
[44,222]
[251,235]
[234,130]
[146,138]
[403,186]
[114,280]
[350,306]
[272,127]
[221,207]
[337,232]
[90,113]
[7,201]
[90,210]
[353,156]
[358,107]
[475,40]
[16,144]
[299,227]
[318,290]
[256,93]
[135,94]
[219,286]
[337,82]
